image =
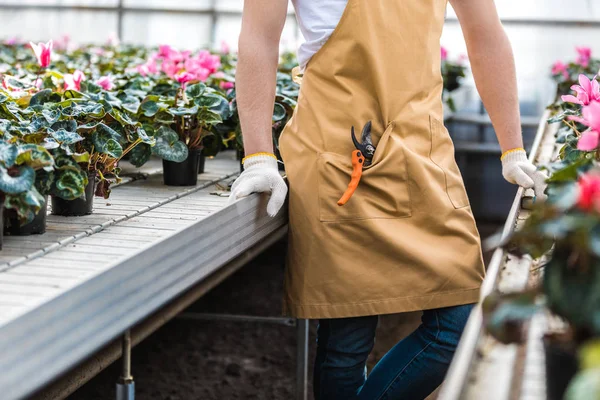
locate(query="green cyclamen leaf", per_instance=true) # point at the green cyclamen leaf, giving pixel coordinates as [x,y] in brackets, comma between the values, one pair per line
[70,183]
[279,112]
[18,181]
[195,91]
[149,108]
[44,181]
[180,111]
[168,146]
[66,137]
[8,154]
[95,110]
[44,96]
[51,115]
[105,141]
[143,136]
[140,154]
[35,156]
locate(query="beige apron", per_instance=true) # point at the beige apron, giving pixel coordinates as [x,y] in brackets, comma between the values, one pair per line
[407,239]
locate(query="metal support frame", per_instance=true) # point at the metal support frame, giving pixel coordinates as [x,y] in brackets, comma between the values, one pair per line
[82,373]
[237,318]
[302,334]
[302,337]
[125,384]
[121,10]
[553,23]
[120,15]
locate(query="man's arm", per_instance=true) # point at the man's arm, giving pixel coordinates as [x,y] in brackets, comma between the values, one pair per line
[258,56]
[493,66]
[262,24]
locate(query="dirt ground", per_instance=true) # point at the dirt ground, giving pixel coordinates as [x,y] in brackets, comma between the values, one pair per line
[217,360]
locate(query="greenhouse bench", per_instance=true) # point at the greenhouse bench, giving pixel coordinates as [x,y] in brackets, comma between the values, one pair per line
[92,286]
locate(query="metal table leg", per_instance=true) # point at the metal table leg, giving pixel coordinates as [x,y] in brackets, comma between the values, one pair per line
[125,384]
[302,360]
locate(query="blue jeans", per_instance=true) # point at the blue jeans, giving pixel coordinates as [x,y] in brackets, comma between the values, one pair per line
[411,370]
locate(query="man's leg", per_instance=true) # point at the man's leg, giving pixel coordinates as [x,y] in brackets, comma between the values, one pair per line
[343,345]
[417,365]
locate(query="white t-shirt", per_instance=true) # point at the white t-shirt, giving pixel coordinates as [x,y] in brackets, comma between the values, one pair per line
[317,20]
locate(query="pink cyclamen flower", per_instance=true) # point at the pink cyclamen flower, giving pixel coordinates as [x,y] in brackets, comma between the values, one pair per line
[202,74]
[587,91]
[166,51]
[209,61]
[73,81]
[585,55]
[12,41]
[184,77]
[444,53]
[170,68]
[105,83]
[42,51]
[113,39]
[589,192]
[225,48]
[560,68]
[63,42]
[142,69]
[589,139]
[226,85]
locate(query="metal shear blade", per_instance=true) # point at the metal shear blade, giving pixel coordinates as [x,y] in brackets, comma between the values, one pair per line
[366,144]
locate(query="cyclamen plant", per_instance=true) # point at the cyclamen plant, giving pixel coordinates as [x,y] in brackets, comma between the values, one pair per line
[565,74]
[180,110]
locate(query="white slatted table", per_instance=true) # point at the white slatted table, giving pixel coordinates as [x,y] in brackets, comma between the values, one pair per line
[482,367]
[65,294]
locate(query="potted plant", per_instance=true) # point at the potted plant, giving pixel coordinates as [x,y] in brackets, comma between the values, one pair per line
[182,125]
[180,111]
[453,73]
[23,203]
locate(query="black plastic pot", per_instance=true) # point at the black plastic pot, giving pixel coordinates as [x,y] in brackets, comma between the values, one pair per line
[12,226]
[77,207]
[561,367]
[182,174]
[201,163]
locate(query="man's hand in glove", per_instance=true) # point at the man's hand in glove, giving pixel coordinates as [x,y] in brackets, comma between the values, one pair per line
[261,174]
[517,169]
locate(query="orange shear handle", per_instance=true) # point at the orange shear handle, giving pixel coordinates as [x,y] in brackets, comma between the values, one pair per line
[358,161]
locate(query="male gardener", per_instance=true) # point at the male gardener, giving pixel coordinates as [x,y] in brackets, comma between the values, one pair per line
[406,239]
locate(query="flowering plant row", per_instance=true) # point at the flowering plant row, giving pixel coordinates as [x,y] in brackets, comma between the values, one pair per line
[70,116]
[565,230]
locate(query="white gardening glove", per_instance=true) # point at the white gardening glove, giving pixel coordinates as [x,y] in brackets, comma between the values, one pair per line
[261,174]
[517,169]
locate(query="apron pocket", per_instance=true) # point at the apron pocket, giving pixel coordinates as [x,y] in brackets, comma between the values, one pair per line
[442,154]
[383,191]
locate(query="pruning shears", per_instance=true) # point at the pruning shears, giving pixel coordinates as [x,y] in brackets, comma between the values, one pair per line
[361,157]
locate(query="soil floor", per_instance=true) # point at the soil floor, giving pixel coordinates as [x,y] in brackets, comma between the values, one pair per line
[219,360]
